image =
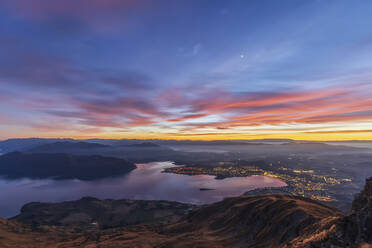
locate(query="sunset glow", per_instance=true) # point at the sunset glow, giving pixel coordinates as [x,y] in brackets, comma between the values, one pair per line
[198,70]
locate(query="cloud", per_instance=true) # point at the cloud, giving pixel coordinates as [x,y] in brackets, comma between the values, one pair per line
[196,113]
[196,49]
[336,104]
[63,89]
[26,66]
[106,15]
[115,113]
[98,98]
[188,117]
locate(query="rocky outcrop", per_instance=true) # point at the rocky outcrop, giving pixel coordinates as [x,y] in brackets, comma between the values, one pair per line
[352,230]
[358,225]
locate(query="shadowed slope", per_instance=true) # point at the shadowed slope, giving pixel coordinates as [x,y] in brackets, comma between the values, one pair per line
[62,166]
[254,221]
[353,230]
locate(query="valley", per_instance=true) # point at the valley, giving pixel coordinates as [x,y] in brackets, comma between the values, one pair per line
[253,221]
[122,194]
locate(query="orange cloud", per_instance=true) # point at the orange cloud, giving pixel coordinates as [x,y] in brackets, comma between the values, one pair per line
[321,106]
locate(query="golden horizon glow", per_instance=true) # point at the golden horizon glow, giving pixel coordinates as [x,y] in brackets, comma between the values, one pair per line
[333,136]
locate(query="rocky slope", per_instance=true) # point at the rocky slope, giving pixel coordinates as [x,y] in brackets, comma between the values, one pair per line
[352,230]
[246,221]
[253,221]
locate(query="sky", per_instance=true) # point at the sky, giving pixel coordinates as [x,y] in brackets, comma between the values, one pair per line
[186,69]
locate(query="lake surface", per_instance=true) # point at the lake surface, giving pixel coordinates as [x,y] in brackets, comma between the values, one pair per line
[147,182]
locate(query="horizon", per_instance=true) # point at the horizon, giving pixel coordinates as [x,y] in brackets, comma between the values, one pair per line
[163,139]
[186,70]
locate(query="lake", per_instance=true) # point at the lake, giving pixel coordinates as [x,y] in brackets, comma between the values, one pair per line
[147,182]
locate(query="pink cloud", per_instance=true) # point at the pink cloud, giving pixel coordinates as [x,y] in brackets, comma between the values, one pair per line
[175,106]
[318,106]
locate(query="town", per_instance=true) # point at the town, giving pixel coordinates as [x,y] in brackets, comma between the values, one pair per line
[299,182]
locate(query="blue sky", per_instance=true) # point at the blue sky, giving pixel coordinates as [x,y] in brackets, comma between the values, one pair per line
[186,69]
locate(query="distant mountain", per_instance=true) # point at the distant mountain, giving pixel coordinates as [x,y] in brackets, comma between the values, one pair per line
[61,166]
[29,143]
[20,145]
[274,140]
[308,147]
[65,147]
[145,144]
[216,142]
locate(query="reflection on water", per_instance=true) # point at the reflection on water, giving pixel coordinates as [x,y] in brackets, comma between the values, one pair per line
[145,183]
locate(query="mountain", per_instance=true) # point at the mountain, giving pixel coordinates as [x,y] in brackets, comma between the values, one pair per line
[134,152]
[247,221]
[61,166]
[144,145]
[253,221]
[29,143]
[65,146]
[351,230]
[11,145]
